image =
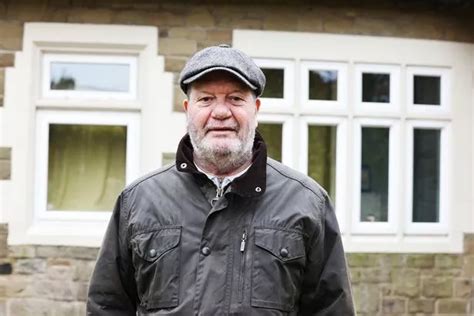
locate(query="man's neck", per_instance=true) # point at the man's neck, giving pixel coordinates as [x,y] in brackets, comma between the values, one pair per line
[214,170]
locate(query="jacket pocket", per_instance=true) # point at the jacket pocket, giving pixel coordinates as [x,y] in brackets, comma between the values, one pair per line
[278,264]
[156,258]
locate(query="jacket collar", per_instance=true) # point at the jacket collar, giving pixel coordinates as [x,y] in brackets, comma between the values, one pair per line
[250,184]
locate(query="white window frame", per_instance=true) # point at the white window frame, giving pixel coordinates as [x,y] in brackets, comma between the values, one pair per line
[445,87]
[286,137]
[43,120]
[441,227]
[324,106]
[389,227]
[377,108]
[285,104]
[341,154]
[49,58]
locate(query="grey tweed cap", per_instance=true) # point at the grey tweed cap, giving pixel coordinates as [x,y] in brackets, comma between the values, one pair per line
[223,57]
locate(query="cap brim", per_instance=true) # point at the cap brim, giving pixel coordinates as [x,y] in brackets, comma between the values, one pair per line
[206,71]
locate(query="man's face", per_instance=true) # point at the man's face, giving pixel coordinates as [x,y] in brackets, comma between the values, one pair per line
[221,113]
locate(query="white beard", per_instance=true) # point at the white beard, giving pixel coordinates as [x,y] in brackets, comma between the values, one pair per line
[224,157]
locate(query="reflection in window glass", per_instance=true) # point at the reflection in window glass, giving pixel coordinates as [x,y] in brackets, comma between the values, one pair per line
[272,134]
[322,157]
[86,166]
[426,166]
[376,87]
[275,83]
[427,90]
[323,85]
[90,77]
[374,174]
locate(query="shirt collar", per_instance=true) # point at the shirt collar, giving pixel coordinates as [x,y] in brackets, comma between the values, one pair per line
[249,184]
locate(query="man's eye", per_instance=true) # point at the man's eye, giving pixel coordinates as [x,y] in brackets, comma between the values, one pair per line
[236,99]
[205,99]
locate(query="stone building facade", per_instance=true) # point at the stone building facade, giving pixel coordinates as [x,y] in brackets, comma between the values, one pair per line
[52,280]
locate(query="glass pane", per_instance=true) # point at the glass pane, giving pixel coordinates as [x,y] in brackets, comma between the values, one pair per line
[272,133]
[376,87]
[275,83]
[374,174]
[323,85]
[90,77]
[427,90]
[86,166]
[426,168]
[322,157]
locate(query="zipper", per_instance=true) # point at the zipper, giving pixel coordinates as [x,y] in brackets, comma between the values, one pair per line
[219,193]
[243,242]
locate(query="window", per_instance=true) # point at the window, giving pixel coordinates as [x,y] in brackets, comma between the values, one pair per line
[373,121]
[89,101]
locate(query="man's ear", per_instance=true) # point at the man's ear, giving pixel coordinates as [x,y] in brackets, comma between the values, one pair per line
[185,105]
[257,104]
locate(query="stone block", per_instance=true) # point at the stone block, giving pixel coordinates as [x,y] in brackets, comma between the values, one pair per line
[11,33]
[67,252]
[374,26]
[15,285]
[420,261]
[355,275]
[69,309]
[361,260]
[175,64]
[464,288]
[272,20]
[5,169]
[133,17]
[366,298]
[29,307]
[2,80]
[22,251]
[406,282]
[7,59]
[437,287]
[469,244]
[392,305]
[82,289]
[52,289]
[200,17]
[90,16]
[374,275]
[336,24]
[5,153]
[468,266]
[452,306]
[187,32]
[421,305]
[60,272]
[220,36]
[178,98]
[83,270]
[310,21]
[445,261]
[29,266]
[177,46]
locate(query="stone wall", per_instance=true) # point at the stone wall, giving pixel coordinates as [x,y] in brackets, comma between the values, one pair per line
[48,280]
[45,280]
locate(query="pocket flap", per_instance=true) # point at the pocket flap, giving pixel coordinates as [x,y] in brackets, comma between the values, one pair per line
[151,245]
[283,244]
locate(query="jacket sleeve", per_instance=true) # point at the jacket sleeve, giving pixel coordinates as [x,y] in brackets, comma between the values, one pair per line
[326,286]
[112,289]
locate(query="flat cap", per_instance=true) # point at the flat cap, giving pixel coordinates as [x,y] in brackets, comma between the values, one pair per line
[223,57]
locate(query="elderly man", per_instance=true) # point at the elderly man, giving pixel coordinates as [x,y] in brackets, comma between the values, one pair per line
[226,230]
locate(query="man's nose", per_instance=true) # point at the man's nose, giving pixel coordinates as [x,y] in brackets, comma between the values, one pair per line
[221,110]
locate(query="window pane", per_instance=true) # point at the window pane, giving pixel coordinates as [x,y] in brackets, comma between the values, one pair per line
[375,87]
[323,85]
[426,168]
[86,166]
[427,90]
[168,158]
[322,157]
[374,174]
[272,133]
[89,77]
[275,83]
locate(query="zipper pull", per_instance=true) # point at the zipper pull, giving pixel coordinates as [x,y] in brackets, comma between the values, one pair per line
[219,192]
[242,241]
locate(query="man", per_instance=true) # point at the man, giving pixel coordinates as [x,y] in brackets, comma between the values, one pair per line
[226,230]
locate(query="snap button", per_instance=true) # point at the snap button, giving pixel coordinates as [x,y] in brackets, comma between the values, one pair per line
[152,253]
[224,45]
[258,189]
[284,252]
[183,165]
[206,251]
